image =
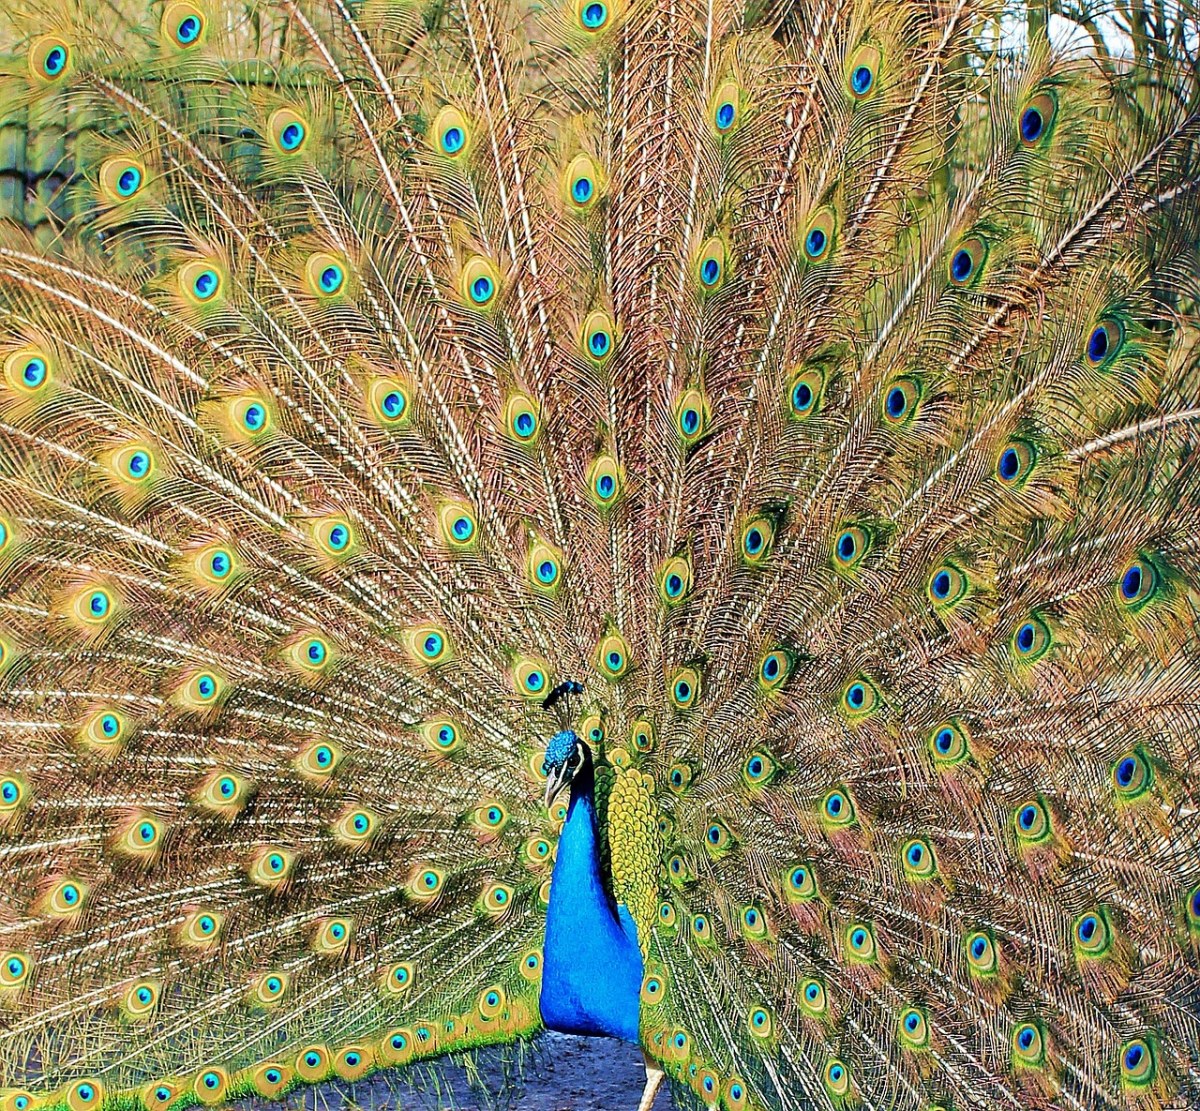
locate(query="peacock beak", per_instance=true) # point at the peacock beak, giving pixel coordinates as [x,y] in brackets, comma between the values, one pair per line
[557,779]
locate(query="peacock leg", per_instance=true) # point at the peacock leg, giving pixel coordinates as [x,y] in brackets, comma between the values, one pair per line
[654,1079]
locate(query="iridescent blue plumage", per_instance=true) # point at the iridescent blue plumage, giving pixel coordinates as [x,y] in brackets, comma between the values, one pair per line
[586,930]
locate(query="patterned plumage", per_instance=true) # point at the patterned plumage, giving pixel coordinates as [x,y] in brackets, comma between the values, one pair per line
[813,383]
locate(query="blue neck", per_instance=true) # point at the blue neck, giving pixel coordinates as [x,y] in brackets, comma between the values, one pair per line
[592,971]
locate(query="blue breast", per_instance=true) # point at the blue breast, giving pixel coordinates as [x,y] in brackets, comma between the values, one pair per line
[592,971]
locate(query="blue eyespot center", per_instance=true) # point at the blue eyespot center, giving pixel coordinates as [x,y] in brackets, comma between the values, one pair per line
[979,947]
[1028,816]
[128,181]
[1133,1057]
[56,60]
[1025,1037]
[34,372]
[912,1022]
[710,271]
[814,243]
[9,791]
[331,279]
[944,740]
[188,30]
[726,113]
[393,404]
[595,15]
[582,189]
[862,79]
[856,696]
[961,265]
[941,584]
[834,805]
[1087,928]
[1125,771]
[1098,344]
[846,547]
[312,1060]
[1131,582]
[481,289]
[689,421]
[1025,637]
[1031,125]
[205,285]
[292,136]
[146,833]
[109,725]
[802,396]
[1009,465]
[754,541]
[315,651]
[915,855]
[547,571]
[324,756]
[598,343]
[453,139]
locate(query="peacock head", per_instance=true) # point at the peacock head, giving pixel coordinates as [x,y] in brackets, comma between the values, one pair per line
[566,757]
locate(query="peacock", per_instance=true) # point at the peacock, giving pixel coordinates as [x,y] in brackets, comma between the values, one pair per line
[676,520]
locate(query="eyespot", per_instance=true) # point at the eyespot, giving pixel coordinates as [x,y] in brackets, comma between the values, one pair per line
[1092,934]
[544,567]
[49,58]
[612,656]
[812,997]
[1031,820]
[14,970]
[949,744]
[537,851]
[837,808]
[757,539]
[223,793]
[13,794]
[355,827]
[105,731]
[901,400]
[735,1094]
[982,955]
[427,644]
[200,929]
[862,72]
[774,670]
[84,1095]
[121,178]
[521,419]
[726,108]
[691,416]
[324,275]
[860,698]
[759,768]
[1032,640]
[598,337]
[1132,775]
[1138,584]
[332,937]
[141,999]
[717,838]
[211,1085]
[800,883]
[269,989]
[140,838]
[497,899]
[389,403]
[531,965]
[397,1046]
[918,859]
[948,585]
[202,283]
[288,131]
[66,899]
[531,678]
[679,777]
[604,481]
[654,987]
[318,760]
[711,264]
[458,525]
[352,1062]
[684,688]
[818,236]
[850,546]
[450,134]
[913,1028]
[804,394]
[754,923]
[1028,1045]
[701,928]
[581,182]
[1104,342]
[426,884]
[761,1023]
[966,263]
[94,605]
[1036,119]
[860,942]
[666,915]
[271,1079]
[836,1077]
[490,817]
[1016,463]
[312,1063]
[28,370]
[1139,1063]
[480,283]
[183,25]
